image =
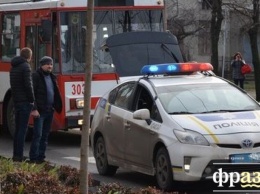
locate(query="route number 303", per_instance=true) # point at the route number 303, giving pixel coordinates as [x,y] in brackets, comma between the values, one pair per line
[77,89]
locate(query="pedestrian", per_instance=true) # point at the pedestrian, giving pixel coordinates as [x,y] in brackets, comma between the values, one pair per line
[47,99]
[236,64]
[23,98]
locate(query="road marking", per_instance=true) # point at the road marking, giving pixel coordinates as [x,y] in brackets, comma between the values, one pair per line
[90,159]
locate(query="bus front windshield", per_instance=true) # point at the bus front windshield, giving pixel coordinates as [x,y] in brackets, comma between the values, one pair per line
[106,23]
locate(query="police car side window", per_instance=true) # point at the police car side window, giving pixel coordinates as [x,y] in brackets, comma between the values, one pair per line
[155,114]
[145,100]
[112,96]
[123,96]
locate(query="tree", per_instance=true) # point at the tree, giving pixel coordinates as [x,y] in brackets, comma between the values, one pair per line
[248,11]
[182,21]
[87,100]
[253,34]
[215,29]
[187,21]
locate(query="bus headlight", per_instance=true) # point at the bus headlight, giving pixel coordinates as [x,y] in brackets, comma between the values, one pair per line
[79,103]
[76,103]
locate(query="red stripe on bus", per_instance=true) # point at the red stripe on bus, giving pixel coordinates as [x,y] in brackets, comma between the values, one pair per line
[104,76]
[81,77]
[94,101]
[5,67]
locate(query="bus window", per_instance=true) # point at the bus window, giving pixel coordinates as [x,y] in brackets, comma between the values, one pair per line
[138,20]
[46,30]
[56,65]
[10,36]
[34,41]
[102,29]
[73,34]
[106,23]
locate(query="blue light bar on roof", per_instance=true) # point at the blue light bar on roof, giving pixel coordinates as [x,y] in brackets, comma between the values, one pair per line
[172,68]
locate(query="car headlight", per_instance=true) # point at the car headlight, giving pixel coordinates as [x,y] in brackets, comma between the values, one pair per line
[191,137]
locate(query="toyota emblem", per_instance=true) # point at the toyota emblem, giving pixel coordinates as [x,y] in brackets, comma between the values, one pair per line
[247,143]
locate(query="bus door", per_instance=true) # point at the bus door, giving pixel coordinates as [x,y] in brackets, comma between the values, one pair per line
[38,35]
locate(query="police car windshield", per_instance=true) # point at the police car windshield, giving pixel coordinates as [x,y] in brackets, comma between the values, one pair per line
[204,98]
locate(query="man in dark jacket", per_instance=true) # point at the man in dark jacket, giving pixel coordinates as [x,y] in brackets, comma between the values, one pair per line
[23,98]
[47,99]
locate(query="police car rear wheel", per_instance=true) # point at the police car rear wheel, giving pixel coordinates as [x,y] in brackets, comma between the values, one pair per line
[101,159]
[164,175]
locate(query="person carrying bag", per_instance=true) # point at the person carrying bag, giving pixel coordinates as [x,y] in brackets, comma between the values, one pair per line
[237,75]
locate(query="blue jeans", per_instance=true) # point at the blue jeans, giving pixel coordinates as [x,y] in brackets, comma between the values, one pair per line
[22,115]
[41,130]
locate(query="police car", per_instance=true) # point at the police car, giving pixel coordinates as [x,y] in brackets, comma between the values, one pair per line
[176,122]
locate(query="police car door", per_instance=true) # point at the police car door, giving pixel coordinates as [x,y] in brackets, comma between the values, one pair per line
[138,135]
[114,124]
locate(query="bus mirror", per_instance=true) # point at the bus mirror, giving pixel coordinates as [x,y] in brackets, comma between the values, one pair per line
[46,32]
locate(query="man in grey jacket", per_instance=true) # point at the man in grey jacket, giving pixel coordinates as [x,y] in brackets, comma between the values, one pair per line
[23,98]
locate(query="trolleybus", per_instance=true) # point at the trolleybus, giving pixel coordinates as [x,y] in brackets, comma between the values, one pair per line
[57,28]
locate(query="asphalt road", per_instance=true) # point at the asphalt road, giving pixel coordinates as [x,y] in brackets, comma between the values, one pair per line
[64,149]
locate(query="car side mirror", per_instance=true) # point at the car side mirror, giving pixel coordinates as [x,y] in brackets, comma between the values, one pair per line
[142,114]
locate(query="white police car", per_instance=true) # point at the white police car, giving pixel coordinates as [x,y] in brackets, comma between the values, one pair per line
[176,122]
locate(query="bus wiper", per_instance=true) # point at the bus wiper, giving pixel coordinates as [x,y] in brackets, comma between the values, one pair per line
[168,50]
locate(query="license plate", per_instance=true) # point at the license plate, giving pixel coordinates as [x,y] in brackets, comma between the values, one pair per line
[245,158]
